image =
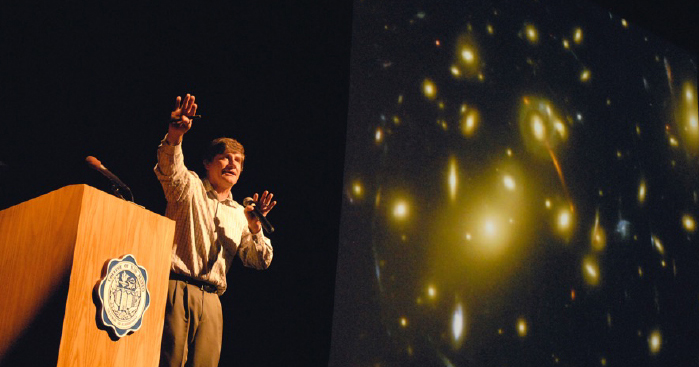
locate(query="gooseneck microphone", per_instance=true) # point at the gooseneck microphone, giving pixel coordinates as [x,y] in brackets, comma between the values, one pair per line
[116,182]
[265,222]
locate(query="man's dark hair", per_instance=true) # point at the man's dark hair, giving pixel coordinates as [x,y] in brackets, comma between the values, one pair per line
[220,146]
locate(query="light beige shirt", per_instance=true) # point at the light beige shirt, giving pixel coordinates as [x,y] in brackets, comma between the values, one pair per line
[209,233]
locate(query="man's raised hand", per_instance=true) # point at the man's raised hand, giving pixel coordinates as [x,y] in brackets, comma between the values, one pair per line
[181,118]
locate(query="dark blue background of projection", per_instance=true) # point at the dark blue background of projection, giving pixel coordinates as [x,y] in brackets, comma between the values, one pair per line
[521,189]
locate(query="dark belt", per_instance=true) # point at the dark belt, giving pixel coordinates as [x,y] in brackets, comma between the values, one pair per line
[206,287]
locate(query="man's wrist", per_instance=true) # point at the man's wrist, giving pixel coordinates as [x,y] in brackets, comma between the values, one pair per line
[172,139]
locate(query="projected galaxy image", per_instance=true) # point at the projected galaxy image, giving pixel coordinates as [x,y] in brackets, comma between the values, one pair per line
[521,189]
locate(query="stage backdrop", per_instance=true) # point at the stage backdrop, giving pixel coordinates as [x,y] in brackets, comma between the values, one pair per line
[521,189]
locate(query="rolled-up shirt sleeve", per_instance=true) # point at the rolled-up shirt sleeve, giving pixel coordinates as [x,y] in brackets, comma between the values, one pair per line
[255,250]
[171,171]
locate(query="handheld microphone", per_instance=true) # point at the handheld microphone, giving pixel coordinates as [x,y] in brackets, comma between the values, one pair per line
[97,165]
[265,222]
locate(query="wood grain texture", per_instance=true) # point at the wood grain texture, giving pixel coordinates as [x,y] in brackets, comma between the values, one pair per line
[36,251]
[75,231]
[111,228]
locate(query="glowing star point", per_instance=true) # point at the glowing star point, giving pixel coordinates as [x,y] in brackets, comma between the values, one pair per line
[490,29]
[492,235]
[509,152]
[599,238]
[453,179]
[538,127]
[509,182]
[624,23]
[578,35]
[566,44]
[455,71]
[688,223]
[400,210]
[357,189]
[598,235]
[431,292]
[468,55]
[457,325]
[469,121]
[564,220]
[689,118]
[378,135]
[585,75]
[429,89]
[673,141]
[688,93]
[531,33]
[403,322]
[642,191]
[560,128]
[657,244]
[591,271]
[655,341]
[547,203]
[522,327]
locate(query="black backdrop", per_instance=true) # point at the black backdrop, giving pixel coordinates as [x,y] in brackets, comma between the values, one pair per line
[99,78]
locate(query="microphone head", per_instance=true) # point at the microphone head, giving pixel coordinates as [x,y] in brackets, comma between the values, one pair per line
[248,201]
[93,162]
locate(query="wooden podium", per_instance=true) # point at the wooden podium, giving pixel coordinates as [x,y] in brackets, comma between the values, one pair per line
[61,242]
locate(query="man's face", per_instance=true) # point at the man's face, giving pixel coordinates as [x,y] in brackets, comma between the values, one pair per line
[224,169]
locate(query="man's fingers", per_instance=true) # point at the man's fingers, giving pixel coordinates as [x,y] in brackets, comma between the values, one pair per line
[188,102]
[267,197]
[264,202]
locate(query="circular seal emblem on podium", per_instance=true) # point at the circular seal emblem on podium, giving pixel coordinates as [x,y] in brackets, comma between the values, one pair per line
[124,295]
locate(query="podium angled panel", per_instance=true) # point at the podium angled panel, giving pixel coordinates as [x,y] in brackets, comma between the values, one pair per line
[54,248]
[36,250]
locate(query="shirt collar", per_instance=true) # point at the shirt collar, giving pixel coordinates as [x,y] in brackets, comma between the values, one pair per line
[214,195]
